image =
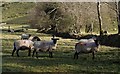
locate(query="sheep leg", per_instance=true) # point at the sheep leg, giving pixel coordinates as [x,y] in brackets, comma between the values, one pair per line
[33,52]
[50,55]
[29,52]
[17,52]
[76,55]
[93,53]
[13,51]
[36,54]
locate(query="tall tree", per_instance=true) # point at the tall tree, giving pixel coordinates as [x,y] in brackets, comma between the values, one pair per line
[99,17]
[118,16]
[52,17]
[116,7]
[72,17]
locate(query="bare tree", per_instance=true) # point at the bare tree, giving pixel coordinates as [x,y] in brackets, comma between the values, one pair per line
[116,7]
[118,16]
[99,17]
[73,17]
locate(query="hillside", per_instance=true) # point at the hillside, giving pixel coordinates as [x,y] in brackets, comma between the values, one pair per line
[16,12]
[79,14]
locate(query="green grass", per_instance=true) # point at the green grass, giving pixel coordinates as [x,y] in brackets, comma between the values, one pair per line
[106,60]
[21,20]
[12,26]
[61,62]
[16,9]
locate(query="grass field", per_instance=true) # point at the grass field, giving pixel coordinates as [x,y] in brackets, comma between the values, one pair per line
[16,15]
[107,59]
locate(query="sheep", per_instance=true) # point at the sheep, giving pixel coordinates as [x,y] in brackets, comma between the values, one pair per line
[45,46]
[36,38]
[25,36]
[86,46]
[23,45]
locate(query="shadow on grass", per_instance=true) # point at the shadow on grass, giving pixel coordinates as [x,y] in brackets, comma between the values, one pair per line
[112,40]
[108,61]
[104,61]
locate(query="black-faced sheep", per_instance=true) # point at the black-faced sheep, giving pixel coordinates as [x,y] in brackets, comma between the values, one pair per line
[45,46]
[23,45]
[86,46]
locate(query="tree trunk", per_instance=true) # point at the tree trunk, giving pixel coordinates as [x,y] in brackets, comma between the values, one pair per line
[118,16]
[119,27]
[99,17]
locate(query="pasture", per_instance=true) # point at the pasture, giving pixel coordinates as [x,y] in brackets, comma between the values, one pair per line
[107,60]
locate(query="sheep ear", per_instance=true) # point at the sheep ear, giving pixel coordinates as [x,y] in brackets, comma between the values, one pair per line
[29,34]
[55,38]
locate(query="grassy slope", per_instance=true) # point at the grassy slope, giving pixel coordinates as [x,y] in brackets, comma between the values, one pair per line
[16,12]
[107,59]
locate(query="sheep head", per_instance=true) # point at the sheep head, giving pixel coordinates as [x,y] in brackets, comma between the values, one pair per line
[55,40]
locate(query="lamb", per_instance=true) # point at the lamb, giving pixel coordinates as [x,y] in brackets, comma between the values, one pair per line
[45,46]
[24,45]
[25,36]
[86,46]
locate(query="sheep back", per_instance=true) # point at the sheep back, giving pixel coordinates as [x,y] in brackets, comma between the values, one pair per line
[86,45]
[27,43]
[44,45]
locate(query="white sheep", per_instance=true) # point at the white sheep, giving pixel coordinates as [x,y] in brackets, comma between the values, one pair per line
[45,46]
[25,36]
[86,46]
[24,45]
